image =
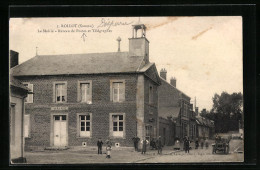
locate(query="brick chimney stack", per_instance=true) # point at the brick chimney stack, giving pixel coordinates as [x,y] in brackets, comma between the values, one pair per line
[14,58]
[197,111]
[173,81]
[163,73]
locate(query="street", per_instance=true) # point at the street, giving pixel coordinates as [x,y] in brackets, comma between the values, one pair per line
[128,155]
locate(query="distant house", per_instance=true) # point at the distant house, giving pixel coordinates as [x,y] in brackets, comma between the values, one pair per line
[78,98]
[176,118]
[205,127]
[18,93]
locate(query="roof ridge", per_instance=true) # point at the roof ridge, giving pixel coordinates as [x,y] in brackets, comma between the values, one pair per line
[174,87]
[83,53]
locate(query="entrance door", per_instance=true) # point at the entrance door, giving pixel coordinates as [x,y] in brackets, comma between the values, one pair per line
[60,130]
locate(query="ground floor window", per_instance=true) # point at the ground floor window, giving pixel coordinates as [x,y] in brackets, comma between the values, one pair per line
[117,124]
[84,124]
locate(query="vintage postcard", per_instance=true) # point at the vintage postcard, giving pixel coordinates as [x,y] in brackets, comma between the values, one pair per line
[126,90]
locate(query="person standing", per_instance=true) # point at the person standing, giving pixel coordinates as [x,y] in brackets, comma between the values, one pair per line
[206,143]
[197,143]
[136,140]
[159,145]
[99,145]
[186,144]
[144,143]
[202,143]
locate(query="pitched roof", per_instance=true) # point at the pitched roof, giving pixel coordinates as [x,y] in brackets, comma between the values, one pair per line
[92,63]
[169,112]
[204,121]
[174,87]
[16,83]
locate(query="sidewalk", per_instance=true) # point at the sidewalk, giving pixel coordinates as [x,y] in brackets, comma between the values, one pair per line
[88,155]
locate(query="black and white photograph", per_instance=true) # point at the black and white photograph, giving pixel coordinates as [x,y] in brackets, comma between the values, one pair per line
[103,90]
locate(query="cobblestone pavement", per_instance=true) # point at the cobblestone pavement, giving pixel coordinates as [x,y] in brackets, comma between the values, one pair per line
[128,155]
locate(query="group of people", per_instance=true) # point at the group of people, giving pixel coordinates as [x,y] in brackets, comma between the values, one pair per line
[108,147]
[202,142]
[136,140]
[145,142]
[186,143]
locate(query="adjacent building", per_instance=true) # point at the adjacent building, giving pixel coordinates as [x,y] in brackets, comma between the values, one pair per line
[78,98]
[176,120]
[18,93]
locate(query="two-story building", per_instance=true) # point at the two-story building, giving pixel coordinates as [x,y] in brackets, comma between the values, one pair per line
[175,109]
[78,98]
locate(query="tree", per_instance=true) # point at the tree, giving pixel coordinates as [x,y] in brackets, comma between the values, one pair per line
[227,111]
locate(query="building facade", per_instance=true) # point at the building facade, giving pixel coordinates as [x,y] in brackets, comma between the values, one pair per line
[205,128]
[174,105]
[18,93]
[78,98]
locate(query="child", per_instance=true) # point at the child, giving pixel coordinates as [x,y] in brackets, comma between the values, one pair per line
[108,148]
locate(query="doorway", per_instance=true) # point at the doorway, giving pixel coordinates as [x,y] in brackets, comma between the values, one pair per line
[60,130]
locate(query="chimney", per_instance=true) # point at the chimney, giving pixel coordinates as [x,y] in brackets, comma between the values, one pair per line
[173,81]
[14,60]
[197,111]
[191,107]
[138,44]
[163,73]
[118,40]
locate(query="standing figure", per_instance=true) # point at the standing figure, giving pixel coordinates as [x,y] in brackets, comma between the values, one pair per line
[99,144]
[159,145]
[108,148]
[144,142]
[186,144]
[206,143]
[196,143]
[136,140]
[202,143]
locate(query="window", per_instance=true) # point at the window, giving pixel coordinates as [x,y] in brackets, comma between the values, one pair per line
[117,91]
[60,92]
[150,94]
[84,124]
[85,91]
[117,125]
[29,98]
[26,126]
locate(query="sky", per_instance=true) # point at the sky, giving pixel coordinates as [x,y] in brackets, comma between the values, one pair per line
[204,54]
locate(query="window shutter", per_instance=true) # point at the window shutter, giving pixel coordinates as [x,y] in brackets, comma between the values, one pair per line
[30,96]
[26,125]
[123,90]
[65,91]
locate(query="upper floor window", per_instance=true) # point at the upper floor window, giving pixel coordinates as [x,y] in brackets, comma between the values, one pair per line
[117,91]
[85,91]
[150,94]
[60,92]
[29,98]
